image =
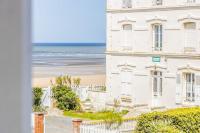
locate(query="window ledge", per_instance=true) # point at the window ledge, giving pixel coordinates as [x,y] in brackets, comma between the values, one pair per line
[189,49]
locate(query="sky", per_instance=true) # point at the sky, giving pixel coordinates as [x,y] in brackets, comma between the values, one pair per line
[68,21]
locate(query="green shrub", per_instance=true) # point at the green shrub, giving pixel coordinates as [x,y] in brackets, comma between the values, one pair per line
[110,117]
[162,127]
[65,98]
[37,100]
[184,119]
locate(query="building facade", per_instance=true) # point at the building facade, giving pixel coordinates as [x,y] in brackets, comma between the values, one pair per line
[153,52]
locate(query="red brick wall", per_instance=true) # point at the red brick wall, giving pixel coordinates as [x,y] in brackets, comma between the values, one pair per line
[39,123]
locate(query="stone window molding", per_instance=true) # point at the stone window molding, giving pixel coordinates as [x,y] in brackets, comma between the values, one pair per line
[126,21]
[156,67]
[188,69]
[126,66]
[189,18]
[156,19]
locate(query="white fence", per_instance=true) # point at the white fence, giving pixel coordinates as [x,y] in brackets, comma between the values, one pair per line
[127,126]
[96,94]
[83,91]
[47,97]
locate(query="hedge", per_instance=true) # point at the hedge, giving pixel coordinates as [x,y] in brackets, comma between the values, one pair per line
[186,120]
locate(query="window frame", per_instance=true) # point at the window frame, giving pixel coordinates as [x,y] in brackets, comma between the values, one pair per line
[157,2]
[190,91]
[157,36]
[126,4]
[188,45]
[157,81]
[191,1]
[124,28]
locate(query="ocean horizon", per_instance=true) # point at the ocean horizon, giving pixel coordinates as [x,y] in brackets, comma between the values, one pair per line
[75,58]
[69,44]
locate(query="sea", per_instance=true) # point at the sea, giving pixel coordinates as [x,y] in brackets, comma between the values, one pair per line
[73,58]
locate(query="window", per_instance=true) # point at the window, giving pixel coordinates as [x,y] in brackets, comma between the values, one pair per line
[127,27]
[190,25]
[191,1]
[157,37]
[157,2]
[157,83]
[126,83]
[127,36]
[190,87]
[190,35]
[127,4]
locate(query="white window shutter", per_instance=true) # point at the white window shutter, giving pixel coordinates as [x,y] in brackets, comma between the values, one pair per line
[129,77]
[178,79]
[123,77]
[127,37]
[190,35]
[197,88]
[178,89]
[126,76]
[124,4]
[197,80]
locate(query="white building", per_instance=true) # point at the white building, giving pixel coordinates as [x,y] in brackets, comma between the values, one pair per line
[153,52]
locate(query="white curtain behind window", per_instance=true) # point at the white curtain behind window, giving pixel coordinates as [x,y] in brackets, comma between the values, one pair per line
[126,82]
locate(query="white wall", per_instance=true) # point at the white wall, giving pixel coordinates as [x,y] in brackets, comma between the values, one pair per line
[117,4]
[15,66]
[173,33]
[141,85]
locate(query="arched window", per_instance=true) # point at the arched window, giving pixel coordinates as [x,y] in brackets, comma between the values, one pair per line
[127,4]
[190,35]
[157,30]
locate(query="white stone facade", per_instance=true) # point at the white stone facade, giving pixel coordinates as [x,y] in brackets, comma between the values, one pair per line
[153,52]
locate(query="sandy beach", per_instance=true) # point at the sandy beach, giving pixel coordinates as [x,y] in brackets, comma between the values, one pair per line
[85,62]
[42,76]
[85,80]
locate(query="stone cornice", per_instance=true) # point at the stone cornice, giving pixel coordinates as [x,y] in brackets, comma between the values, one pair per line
[162,54]
[160,8]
